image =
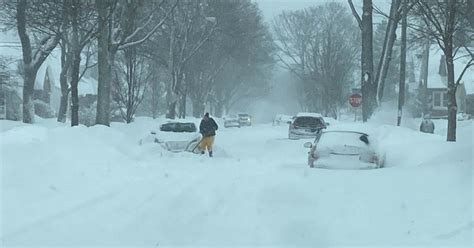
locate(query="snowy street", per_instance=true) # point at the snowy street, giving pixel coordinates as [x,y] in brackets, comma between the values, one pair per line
[258,190]
[236,123]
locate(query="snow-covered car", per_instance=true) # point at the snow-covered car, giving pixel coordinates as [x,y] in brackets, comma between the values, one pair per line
[245,119]
[343,150]
[176,137]
[231,121]
[306,125]
[282,120]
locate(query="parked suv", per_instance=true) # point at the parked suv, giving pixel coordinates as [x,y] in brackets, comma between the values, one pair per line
[245,120]
[231,121]
[306,125]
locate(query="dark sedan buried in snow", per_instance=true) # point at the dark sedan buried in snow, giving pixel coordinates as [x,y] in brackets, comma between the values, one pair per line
[343,150]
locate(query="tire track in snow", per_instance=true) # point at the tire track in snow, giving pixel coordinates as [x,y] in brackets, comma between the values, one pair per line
[59,215]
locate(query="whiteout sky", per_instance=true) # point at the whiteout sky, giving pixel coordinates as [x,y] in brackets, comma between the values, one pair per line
[271,8]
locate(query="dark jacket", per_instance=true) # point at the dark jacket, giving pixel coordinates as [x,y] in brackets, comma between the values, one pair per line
[208,127]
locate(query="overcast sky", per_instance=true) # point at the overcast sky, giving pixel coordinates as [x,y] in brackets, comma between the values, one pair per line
[271,8]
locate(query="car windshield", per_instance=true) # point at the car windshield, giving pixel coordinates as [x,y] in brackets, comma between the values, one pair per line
[308,122]
[178,127]
[243,115]
[343,142]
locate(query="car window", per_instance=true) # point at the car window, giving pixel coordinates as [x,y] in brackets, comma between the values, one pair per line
[308,122]
[179,127]
[342,139]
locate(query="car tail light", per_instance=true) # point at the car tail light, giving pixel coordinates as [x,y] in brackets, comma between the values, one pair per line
[373,159]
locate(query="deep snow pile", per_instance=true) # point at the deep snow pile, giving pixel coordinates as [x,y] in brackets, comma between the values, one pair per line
[98,187]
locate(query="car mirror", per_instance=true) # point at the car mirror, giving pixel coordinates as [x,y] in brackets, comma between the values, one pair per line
[153,132]
[327,124]
[288,122]
[308,145]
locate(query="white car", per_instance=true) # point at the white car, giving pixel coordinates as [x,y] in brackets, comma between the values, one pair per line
[176,137]
[282,120]
[231,121]
[343,150]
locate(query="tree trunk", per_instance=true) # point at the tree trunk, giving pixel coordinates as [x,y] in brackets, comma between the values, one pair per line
[28,89]
[369,89]
[104,66]
[29,70]
[154,99]
[64,84]
[174,97]
[198,108]
[76,64]
[74,90]
[448,51]
[219,110]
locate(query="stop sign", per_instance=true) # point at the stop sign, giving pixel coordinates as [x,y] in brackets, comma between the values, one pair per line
[355,100]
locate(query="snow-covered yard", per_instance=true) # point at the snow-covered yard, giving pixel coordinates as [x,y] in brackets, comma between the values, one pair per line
[98,187]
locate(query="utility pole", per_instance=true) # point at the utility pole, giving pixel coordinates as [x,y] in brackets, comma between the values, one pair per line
[401,90]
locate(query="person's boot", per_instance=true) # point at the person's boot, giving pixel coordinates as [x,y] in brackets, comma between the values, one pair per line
[202,152]
[210,154]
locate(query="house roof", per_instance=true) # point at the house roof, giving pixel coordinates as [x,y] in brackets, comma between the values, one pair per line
[435,80]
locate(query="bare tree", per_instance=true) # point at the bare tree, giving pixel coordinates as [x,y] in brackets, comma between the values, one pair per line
[443,20]
[189,29]
[132,76]
[123,24]
[33,56]
[317,46]
[232,63]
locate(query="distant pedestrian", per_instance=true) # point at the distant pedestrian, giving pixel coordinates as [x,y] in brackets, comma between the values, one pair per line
[427,125]
[208,129]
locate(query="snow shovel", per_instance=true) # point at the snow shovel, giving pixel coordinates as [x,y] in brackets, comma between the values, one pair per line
[197,145]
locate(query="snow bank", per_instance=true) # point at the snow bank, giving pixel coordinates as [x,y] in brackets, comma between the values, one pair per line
[96,186]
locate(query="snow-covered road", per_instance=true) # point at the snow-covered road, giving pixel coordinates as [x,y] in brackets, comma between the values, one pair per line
[257,191]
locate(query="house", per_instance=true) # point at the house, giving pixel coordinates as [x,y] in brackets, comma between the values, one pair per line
[47,87]
[437,83]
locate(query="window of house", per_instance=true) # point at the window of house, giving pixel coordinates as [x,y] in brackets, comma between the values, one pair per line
[437,99]
[440,99]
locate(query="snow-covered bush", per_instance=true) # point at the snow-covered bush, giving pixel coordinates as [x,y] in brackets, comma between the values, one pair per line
[43,109]
[87,115]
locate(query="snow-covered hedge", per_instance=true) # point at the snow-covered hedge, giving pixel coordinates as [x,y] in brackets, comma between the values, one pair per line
[43,109]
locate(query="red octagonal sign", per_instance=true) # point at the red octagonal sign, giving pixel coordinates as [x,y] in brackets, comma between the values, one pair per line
[355,100]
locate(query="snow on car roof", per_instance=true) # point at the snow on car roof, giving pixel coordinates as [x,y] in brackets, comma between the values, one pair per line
[309,114]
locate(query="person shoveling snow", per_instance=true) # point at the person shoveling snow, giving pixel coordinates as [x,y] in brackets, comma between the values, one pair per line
[208,129]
